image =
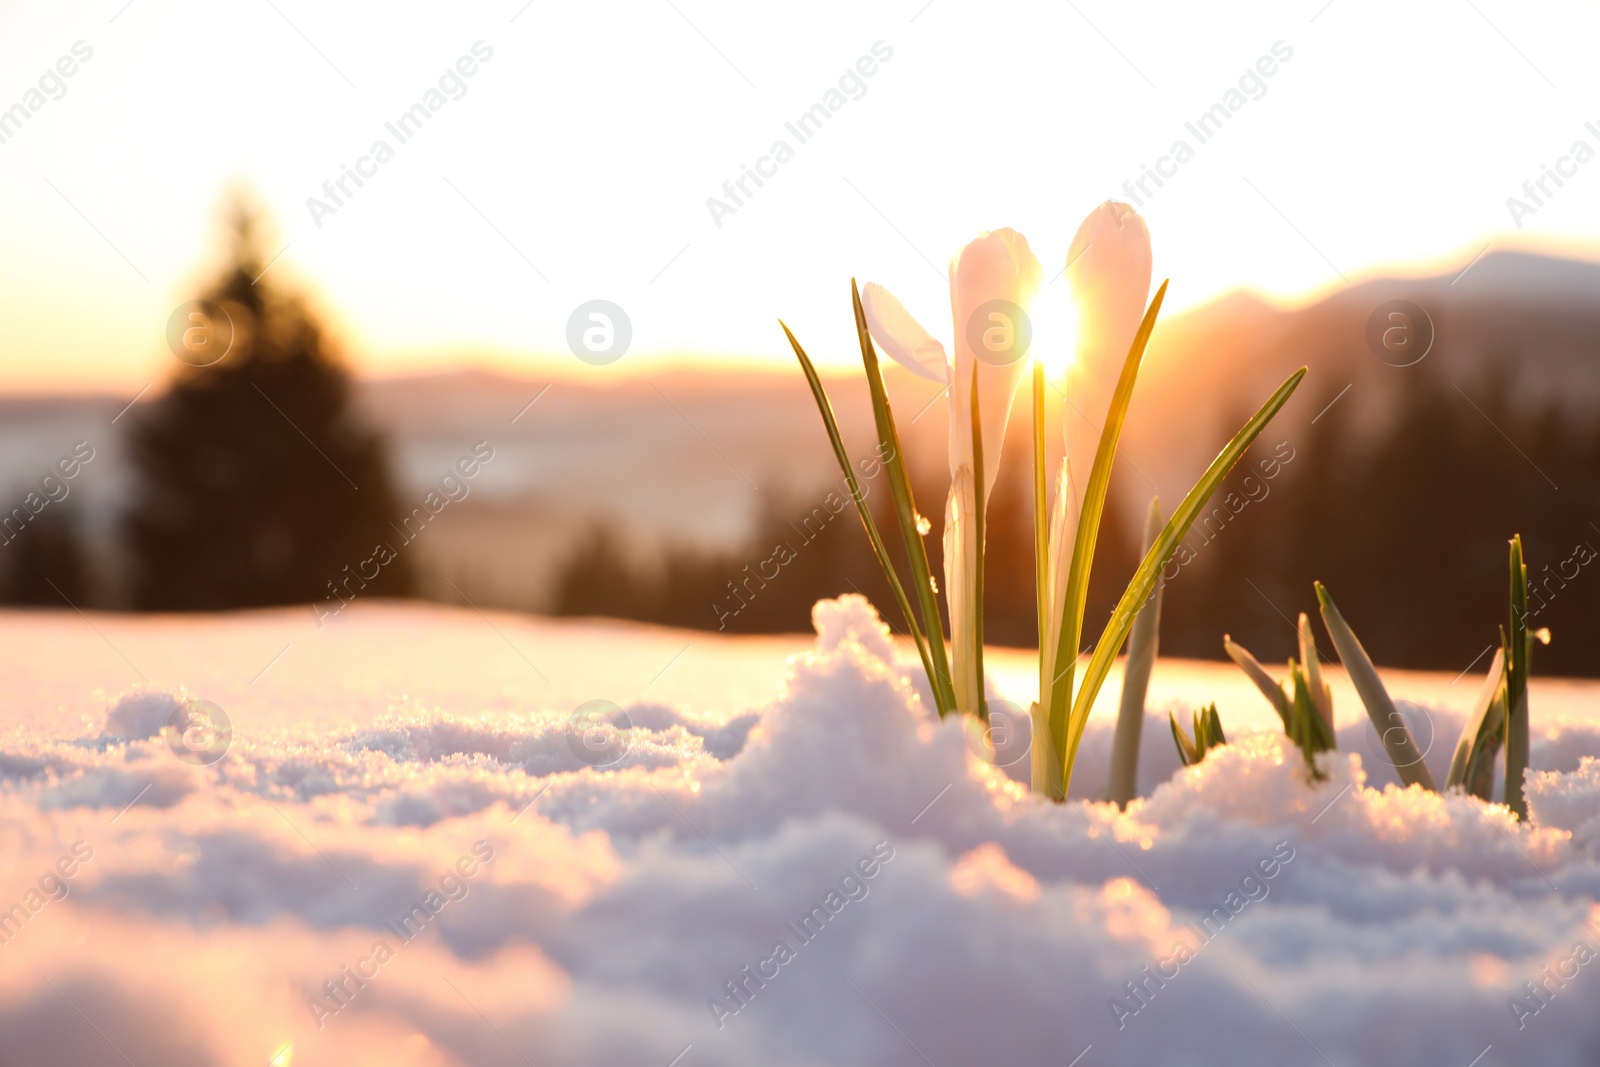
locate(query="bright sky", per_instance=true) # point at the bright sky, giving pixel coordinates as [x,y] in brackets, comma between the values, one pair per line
[578,163]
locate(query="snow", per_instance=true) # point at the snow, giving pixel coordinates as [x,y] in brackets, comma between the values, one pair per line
[620,881]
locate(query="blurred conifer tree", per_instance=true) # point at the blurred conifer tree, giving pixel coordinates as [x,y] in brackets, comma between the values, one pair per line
[256,483]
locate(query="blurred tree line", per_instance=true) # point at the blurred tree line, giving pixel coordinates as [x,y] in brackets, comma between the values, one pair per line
[1408,528]
[802,551]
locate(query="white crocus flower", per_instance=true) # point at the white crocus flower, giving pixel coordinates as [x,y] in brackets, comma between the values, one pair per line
[1108,269]
[991,281]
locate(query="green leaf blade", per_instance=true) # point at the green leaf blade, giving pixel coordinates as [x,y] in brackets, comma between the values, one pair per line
[1397,740]
[906,513]
[1144,644]
[1083,544]
[1477,730]
[1258,674]
[1144,579]
[977,546]
[1186,749]
[1516,646]
[1041,514]
[825,409]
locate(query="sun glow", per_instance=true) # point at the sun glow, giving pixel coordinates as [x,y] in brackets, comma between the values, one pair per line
[1054,316]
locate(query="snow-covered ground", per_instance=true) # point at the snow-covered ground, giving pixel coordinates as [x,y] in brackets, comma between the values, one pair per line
[425,845]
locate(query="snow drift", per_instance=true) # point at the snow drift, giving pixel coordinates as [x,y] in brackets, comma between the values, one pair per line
[706,894]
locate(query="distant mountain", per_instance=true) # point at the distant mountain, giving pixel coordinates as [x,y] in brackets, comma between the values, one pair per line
[1511,320]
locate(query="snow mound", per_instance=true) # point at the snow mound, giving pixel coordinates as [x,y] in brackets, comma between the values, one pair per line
[142,714]
[835,877]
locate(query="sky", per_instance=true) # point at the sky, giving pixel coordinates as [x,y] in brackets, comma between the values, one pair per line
[578,162]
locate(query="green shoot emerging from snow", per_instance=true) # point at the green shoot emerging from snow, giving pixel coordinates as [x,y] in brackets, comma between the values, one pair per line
[1143,643]
[1500,716]
[1397,740]
[1304,702]
[1207,735]
[1472,766]
[1516,647]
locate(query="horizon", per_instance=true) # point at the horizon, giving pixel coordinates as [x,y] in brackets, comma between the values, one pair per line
[559,367]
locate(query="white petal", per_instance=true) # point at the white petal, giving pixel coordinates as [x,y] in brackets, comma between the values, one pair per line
[994,266]
[901,336]
[1108,269]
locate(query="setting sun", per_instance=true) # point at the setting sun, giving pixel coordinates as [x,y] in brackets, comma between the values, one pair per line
[1054,315]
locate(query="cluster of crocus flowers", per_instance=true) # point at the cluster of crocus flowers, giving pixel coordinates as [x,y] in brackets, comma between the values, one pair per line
[992,280]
